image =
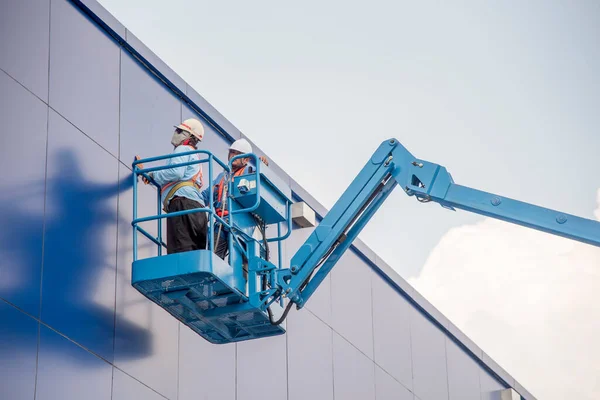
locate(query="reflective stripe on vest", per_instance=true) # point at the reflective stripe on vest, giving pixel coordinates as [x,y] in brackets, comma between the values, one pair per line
[175,186]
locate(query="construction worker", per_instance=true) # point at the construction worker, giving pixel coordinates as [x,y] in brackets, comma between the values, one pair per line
[239,167]
[180,190]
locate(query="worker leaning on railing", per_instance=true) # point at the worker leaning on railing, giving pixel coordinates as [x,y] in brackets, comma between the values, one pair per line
[240,166]
[180,190]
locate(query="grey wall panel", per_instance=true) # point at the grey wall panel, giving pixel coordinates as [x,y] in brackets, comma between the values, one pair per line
[68,372]
[22,200]
[430,378]
[262,369]
[18,352]
[78,282]
[125,387]
[149,113]
[391,330]
[463,374]
[489,386]
[387,388]
[351,307]
[146,336]
[207,371]
[353,372]
[24,43]
[84,75]
[310,364]
[320,301]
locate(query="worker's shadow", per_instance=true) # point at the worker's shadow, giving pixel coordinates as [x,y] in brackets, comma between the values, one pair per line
[79,257]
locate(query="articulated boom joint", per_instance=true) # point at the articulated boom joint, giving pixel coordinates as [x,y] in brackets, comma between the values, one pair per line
[425,180]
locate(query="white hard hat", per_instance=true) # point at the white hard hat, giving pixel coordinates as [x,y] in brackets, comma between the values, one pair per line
[193,126]
[242,146]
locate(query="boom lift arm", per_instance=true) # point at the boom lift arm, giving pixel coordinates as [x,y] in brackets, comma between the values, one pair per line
[391,165]
[243,297]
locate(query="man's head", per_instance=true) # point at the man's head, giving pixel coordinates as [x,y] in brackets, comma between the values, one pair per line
[240,146]
[188,133]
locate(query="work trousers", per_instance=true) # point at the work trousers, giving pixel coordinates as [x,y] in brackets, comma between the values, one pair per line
[186,232]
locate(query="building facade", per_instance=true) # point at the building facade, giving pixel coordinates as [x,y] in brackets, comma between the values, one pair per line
[80,97]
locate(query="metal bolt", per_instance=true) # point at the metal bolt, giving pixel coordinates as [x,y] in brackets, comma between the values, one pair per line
[294,268]
[496,201]
[388,161]
[417,164]
[392,141]
[561,218]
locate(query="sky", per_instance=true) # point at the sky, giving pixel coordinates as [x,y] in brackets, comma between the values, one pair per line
[535,309]
[503,94]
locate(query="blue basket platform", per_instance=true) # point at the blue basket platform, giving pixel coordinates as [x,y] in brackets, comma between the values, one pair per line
[202,291]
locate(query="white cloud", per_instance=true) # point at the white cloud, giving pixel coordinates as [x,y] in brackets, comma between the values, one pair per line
[530,300]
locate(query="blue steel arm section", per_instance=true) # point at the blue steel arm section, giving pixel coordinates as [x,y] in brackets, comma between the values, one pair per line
[340,226]
[441,189]
[392,165]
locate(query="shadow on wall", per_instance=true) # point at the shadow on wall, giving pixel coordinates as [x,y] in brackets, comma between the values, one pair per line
[79,272]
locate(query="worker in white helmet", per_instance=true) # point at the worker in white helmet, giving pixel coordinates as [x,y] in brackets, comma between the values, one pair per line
[240,166]
[180,190]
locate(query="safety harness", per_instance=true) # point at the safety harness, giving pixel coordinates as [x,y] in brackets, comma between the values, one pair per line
[173,187]
[219,210]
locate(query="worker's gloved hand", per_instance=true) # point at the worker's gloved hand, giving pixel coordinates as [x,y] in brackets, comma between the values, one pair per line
[264,160]
[141,166]
[145,180]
